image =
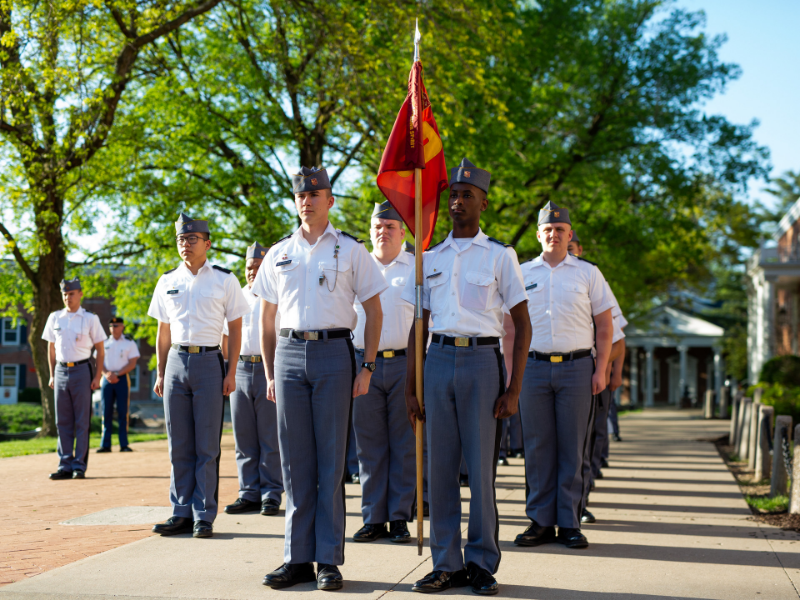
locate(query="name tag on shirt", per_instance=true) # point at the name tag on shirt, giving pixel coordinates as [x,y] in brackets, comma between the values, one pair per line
[169,292]
[531,286]
[283,262]
[434,275]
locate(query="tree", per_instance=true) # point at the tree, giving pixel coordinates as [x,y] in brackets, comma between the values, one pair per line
[64,69]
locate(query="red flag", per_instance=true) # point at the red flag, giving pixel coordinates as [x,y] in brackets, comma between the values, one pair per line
[414,143]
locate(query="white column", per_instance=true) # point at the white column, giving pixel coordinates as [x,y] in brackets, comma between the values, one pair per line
[717,372]
[770,320]
[682,382]
[634,354]
[648,353]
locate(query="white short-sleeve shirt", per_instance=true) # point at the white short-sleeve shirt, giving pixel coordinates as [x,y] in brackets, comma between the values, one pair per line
[251,342]
[118,353]
[73,334]
[466,287]
[195,306]
[398,315]
[315,286]
[562,301]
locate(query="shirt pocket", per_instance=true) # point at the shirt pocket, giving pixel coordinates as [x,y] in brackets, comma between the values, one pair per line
[78,328]
[572,287]
[334,273]
[476,290]
[436,283]
[212,297]
[174,299]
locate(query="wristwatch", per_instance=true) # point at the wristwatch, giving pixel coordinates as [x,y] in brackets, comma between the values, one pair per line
[371,366]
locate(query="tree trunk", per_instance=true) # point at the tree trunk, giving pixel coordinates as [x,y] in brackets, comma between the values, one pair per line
[46,299]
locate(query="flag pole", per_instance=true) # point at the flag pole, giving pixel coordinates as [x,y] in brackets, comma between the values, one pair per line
[418,325]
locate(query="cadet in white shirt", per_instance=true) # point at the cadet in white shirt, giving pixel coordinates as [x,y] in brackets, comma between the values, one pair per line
[121,355]
[313,277]
[255,426]
[73,333]
[467,280]
[191,303]
[386,445]
[565,294]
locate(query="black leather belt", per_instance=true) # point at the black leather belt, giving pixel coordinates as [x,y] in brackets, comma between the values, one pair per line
[315,336]
[464,342]
[73,364]
[255,358]
[385,353]
[194,349]
[558,357]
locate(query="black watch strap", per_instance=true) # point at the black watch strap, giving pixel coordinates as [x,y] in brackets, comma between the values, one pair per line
[369,365]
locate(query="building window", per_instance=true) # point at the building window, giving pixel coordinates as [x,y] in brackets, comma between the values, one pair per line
[8,376]
[134,376]
[12,332]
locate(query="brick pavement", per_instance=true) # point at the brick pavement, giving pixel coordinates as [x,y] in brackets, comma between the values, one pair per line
[33,506]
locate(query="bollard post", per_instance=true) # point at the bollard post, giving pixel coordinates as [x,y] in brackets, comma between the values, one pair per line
[732,441]
[723,402]
[778,485]
[708,412]
[794,496]
[744,428]
[757,394]
[755,415]
[763,457]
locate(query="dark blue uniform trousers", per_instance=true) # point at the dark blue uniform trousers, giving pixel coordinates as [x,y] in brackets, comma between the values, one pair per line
[255,432]
[386,445]
[555,406]
[116,392]
[73,392]
[600,434]
[461,388]
[193,409]
[314,390]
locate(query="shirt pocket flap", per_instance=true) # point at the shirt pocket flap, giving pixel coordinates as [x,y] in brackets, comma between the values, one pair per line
[478,278]
[212,292]
[574,287]
[436,279]
[342,265]
[286,265]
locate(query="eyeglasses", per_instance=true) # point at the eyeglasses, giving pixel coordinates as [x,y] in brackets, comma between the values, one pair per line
[191,240]
[116,324]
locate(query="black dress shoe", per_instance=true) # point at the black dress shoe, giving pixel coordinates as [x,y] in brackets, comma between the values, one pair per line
[481,580]
[242,506]
[328,577]
[288,575]
[61,474]
[502,462]
[571,538]
[438,581]
[398,532]
[536,535]
[603,463]
[587,517]
[203,529]
[599,475]
[126,449]
[370,532]
[270,507]
[103,450]
[76,474]
[463,481]
[353,478]
[174,526]
[617,438]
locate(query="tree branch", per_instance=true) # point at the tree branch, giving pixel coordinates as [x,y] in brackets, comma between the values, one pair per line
[23,264]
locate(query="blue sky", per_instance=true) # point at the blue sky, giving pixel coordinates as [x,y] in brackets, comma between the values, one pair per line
[763,39]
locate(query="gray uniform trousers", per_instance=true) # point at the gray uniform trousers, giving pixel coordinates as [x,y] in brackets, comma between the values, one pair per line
[73,392]
[555,406]
[255,431]
[600,435]
[193,409]
[461,388]
[386,445]
[314,389]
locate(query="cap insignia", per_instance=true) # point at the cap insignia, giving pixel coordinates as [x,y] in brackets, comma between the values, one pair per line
[313,182]
[189,227]
[556,213]
[467,174]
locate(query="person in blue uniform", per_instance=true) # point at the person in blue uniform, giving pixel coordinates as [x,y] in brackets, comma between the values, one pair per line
[468,279]
[191,303]
[121,356]
[313,278]
[72,334]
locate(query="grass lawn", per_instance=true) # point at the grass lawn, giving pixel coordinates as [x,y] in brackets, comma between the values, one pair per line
[44,445]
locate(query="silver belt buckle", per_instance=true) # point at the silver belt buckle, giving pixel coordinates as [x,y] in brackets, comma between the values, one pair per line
[194,349]
[311,335]
[462,342]
[388,354]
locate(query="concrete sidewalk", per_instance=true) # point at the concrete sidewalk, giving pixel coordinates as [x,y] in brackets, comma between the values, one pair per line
[671,524]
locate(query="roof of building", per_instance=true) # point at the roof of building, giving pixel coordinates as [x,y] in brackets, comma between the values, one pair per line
[665,321]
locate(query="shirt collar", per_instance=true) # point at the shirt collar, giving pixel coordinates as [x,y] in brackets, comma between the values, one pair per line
[569,260]
[403,257]
[481,239]
[79,312]
[329,229]
[206,265]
